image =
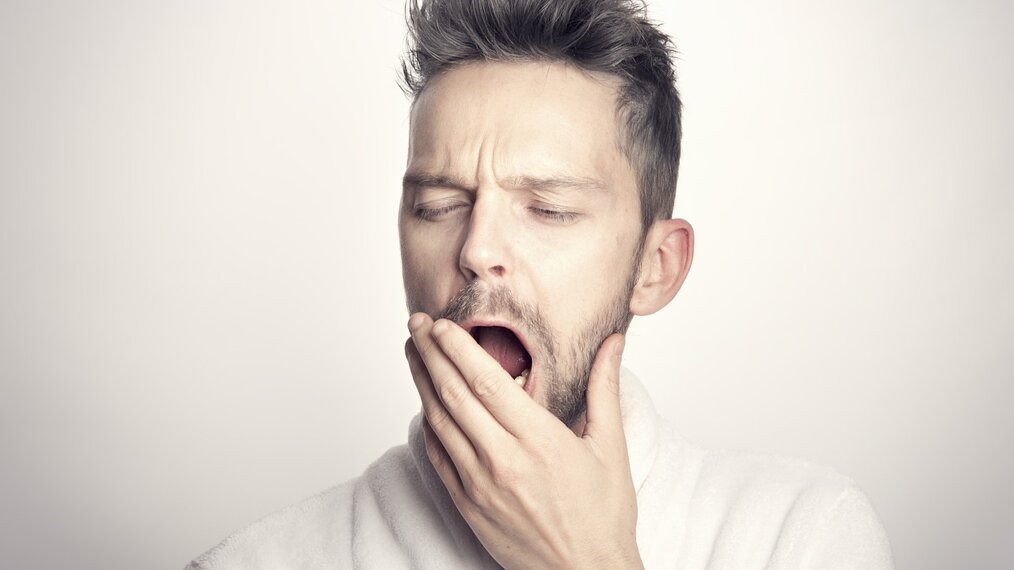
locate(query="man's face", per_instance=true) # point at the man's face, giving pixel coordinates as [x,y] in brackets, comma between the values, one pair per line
[520,218]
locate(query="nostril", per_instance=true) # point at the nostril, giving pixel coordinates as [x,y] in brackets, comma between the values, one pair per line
[497,270]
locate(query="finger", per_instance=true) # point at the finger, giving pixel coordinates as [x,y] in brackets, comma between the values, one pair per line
[436,416]
[486,435]
[492,385]
[604,421]
[445,467]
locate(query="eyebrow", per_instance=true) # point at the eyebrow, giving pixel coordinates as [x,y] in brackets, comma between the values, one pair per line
[547,183]
[417,180]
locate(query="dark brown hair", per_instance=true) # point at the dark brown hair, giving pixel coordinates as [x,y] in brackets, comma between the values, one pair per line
[610,36]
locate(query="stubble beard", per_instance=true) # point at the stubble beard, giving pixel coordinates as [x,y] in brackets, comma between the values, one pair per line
[565,380]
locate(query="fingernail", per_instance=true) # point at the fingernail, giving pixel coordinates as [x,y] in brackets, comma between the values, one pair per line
[618,351]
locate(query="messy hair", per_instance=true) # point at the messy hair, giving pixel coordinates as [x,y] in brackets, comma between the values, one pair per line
[609,36]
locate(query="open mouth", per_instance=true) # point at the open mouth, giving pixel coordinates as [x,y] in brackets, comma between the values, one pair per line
[507,349]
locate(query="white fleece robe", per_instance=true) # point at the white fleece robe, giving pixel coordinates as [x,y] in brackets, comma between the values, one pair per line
[697,509]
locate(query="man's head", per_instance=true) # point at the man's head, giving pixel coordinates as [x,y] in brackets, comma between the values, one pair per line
[543,156]
[611,37]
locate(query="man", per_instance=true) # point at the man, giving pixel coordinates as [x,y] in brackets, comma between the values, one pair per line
[535,222]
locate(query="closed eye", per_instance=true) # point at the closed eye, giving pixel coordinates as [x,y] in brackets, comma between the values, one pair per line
[554,215]
[434,214]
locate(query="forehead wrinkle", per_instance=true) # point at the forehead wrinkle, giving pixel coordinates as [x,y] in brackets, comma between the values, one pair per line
[493,140]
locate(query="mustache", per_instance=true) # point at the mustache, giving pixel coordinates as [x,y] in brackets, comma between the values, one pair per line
[476,299]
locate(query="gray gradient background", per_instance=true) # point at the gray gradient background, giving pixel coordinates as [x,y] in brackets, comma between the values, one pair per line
[201,314]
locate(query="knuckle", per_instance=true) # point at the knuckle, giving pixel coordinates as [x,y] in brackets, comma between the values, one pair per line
[436,415]
[488,383]
[504,476]
[425,349]
[613,385]
[453,395]
[435,454]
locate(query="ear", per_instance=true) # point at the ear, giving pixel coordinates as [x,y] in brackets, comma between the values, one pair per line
[665,261]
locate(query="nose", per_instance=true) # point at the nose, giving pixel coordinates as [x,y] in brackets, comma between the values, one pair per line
[486,253]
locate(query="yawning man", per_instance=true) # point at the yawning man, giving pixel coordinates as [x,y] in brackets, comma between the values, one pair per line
[535,222]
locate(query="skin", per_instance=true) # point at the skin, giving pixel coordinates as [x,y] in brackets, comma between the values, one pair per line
[516,180]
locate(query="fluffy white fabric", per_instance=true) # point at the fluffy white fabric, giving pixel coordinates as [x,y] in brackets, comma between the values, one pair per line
[696,509]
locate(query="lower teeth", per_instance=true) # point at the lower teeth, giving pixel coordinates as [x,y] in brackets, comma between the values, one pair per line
[520,380]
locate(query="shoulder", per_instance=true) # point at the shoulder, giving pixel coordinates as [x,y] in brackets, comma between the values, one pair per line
[794,513]
[315,532]
[747,476]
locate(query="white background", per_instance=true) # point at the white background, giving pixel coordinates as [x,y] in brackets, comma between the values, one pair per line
[201,313]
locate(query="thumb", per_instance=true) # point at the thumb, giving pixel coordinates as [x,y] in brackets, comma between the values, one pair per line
[603,420]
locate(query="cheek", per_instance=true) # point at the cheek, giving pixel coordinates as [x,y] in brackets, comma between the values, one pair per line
[588,280]
[429,269]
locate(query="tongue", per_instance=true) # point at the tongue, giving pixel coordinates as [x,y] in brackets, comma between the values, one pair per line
[505,347]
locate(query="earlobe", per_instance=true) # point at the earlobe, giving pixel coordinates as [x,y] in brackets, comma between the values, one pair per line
[668,252]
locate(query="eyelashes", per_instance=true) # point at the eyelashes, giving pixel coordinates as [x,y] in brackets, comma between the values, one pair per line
[561,216]
[439,213]
[435,214]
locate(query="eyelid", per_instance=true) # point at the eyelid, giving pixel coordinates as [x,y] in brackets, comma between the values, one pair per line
[554,213]
[431,212]
[439,203]
[430,195]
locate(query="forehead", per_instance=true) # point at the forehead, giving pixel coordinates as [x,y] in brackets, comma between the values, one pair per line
[511,120]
